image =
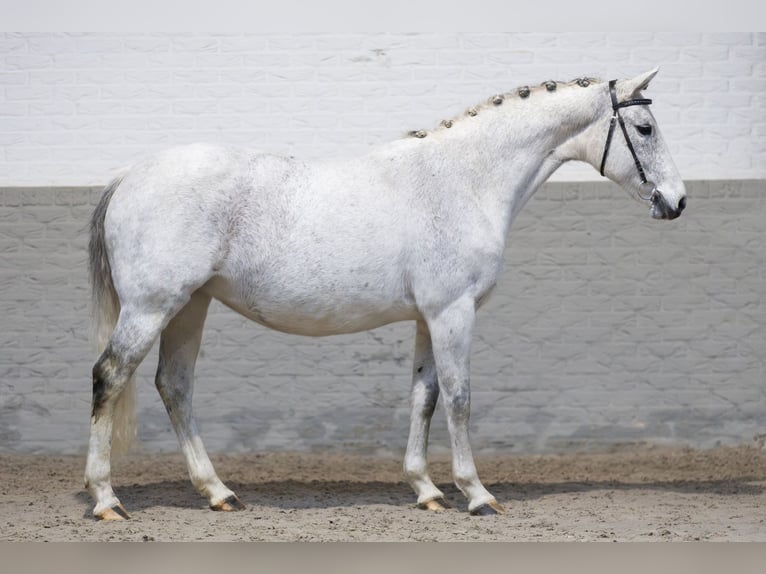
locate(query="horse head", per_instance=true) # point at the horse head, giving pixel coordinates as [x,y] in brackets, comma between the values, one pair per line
[626,146]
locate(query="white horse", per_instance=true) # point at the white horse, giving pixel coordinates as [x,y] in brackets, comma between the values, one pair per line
[414,231]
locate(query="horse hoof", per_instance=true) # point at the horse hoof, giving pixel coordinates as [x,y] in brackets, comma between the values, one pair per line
[231,504]
[434,505]
[116,512]
[490,509]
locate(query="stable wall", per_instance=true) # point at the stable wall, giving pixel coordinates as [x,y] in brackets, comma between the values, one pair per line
[74,108]
[607,327]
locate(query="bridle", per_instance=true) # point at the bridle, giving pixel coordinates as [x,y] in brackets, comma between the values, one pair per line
[648,190]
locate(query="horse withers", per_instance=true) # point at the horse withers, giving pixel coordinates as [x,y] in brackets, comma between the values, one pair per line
[413,231]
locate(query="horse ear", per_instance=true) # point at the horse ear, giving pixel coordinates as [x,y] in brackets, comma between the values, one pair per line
[640,82]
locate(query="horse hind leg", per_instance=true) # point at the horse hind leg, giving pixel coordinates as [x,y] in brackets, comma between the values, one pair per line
[179,347]
[131,339]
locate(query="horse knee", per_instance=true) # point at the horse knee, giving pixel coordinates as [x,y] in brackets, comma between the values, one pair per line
[458,403]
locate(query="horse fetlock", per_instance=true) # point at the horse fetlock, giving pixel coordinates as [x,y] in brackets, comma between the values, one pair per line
[415,471]
[426,491]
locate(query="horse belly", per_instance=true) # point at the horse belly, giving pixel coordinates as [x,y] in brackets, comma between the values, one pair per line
[300,311]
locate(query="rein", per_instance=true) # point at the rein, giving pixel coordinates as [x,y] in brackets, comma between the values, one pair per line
[648,189]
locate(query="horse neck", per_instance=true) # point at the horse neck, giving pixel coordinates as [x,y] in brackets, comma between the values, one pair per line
[505,153]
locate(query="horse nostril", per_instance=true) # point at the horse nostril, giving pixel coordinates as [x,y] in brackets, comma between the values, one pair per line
[681,205]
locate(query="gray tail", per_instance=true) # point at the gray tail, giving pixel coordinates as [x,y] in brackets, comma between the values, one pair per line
[106,310]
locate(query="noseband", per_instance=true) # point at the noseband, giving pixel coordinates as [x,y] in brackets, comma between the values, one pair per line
[648,190]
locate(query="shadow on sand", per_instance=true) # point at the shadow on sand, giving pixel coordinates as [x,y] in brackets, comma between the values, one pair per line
[293,494]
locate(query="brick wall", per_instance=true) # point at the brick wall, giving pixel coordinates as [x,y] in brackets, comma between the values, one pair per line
[607,327]
[76,107]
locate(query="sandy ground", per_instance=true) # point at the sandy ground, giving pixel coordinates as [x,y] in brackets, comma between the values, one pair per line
[626,495]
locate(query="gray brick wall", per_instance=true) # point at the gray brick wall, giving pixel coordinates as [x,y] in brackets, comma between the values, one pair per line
[607,327]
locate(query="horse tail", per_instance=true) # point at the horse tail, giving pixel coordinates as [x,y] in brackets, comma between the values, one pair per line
[106,310]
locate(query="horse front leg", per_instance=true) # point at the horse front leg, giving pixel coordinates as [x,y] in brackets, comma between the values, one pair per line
[424,395]
[451,330]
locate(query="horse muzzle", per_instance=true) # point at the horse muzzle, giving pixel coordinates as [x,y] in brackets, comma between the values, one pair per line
[661,209]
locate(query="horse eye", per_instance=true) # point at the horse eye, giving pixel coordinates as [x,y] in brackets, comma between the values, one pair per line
[644,130]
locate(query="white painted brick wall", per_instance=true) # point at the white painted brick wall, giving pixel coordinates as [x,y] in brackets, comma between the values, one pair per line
[607,327]
[76,107]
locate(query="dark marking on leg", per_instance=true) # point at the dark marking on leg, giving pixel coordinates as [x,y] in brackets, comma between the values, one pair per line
[420,369]
[107,379]
[167,400]
[432,397]
[460,401]
[429,407]
[99,392]
[101,381]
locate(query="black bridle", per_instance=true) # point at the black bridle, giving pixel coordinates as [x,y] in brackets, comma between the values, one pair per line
[648,189]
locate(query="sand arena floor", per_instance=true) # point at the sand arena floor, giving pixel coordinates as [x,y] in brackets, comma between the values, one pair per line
[633,494]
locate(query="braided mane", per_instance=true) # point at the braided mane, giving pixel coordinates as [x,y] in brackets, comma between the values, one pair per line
[520,93]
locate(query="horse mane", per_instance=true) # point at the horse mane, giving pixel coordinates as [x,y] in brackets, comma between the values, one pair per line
[522,92]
